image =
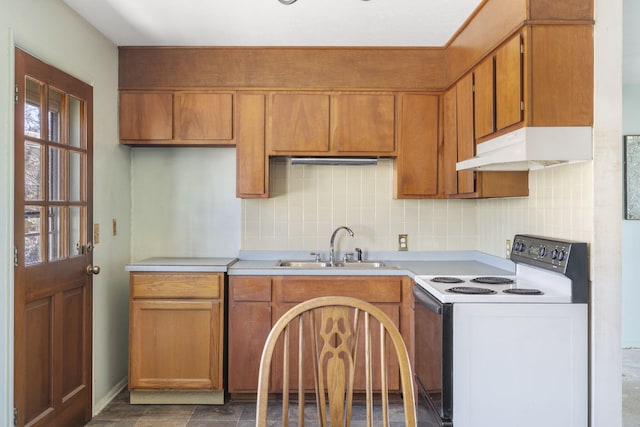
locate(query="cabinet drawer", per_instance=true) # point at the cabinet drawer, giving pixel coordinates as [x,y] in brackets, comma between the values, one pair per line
[369,288]
[176,285]
[250,288]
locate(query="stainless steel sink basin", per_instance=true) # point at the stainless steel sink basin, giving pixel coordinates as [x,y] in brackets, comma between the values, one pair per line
[325,264]
[302,264]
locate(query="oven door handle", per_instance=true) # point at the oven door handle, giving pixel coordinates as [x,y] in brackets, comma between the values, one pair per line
[427,300]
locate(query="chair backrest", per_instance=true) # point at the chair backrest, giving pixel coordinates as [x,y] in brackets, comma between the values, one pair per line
[327,335]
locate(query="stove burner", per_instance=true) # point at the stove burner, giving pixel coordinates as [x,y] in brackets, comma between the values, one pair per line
[470,290]
[493,280]
[522,291]
[444,279]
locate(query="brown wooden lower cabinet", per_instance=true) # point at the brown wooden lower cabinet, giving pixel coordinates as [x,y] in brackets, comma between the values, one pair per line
[257,302]
[176,337]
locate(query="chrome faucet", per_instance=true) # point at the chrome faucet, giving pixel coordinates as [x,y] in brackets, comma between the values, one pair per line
[331,243]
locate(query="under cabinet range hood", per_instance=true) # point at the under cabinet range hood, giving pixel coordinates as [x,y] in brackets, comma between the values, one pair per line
[334,161]
[532,148]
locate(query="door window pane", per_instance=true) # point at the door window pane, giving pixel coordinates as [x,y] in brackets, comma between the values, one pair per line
[56,162]
[32,120]
[56,100]
[32,230]
[74,176]
[32,171]
[74,231]
[55,232]
[75,121]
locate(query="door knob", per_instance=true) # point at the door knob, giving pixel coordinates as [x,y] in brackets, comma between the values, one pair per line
[93,269]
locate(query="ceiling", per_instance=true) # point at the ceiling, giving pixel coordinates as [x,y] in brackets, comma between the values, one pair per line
[270,23]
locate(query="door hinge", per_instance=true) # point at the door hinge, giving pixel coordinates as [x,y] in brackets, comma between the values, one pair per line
[15,417]
[16,94]
[15,256]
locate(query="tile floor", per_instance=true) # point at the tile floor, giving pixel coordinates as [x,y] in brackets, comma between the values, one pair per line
[240,414]
[237,414]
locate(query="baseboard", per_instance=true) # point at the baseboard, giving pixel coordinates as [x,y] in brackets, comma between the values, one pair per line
[115,390]
[165,397]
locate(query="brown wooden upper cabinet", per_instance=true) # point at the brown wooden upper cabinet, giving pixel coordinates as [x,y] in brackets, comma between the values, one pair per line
[459,144]
[498,92]
[176,118]
[332,124]
[418,147]
[252,163]
[541,76]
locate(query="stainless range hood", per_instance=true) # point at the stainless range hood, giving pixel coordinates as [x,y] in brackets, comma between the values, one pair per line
[334,161]
[532,148]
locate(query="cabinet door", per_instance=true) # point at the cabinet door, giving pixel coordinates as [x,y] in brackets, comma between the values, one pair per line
[483,99]
[299,123]
[252,178]
[175,344]
[509,83]
[146,116]
[249,325]
[363,123]
[464,121]
[417,162]
[450,147]
[204,116]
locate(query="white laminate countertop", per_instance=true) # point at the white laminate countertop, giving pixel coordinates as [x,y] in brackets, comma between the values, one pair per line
[170,264]
[396,263]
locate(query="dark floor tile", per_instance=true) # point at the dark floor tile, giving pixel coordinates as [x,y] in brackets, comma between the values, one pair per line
[213,423]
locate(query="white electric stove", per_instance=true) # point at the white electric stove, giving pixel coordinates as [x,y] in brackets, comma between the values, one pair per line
[504,351]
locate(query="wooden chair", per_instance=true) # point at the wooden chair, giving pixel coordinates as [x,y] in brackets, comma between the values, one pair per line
[331,326]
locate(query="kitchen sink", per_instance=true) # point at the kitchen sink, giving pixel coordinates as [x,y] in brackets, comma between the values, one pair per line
[326,264]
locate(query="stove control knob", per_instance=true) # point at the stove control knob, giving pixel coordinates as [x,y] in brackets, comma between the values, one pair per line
[554,254]
[561,255]
[542,252]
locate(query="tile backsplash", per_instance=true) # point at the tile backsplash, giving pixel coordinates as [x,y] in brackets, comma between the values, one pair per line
[308,202]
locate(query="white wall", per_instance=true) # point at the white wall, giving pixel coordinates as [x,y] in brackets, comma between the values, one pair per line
[184,203]
[631,235]
[52,32]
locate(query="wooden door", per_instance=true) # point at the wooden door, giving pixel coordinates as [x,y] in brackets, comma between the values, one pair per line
[466,141]
[175,344]
[204,117]
[450,146]
[509,83]
[146,116]
[53,219]
[249,325]
[299,122]
[252,172]
[483,98]
[363,123]
[417,162]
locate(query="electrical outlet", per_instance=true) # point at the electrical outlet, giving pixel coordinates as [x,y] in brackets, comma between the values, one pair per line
[508,249]
[96,234]
[403,242]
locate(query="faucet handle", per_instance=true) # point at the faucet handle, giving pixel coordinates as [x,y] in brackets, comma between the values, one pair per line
[345,257]
[317,255]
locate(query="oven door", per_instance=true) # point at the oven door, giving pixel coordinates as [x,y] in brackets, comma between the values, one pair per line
[434,354]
